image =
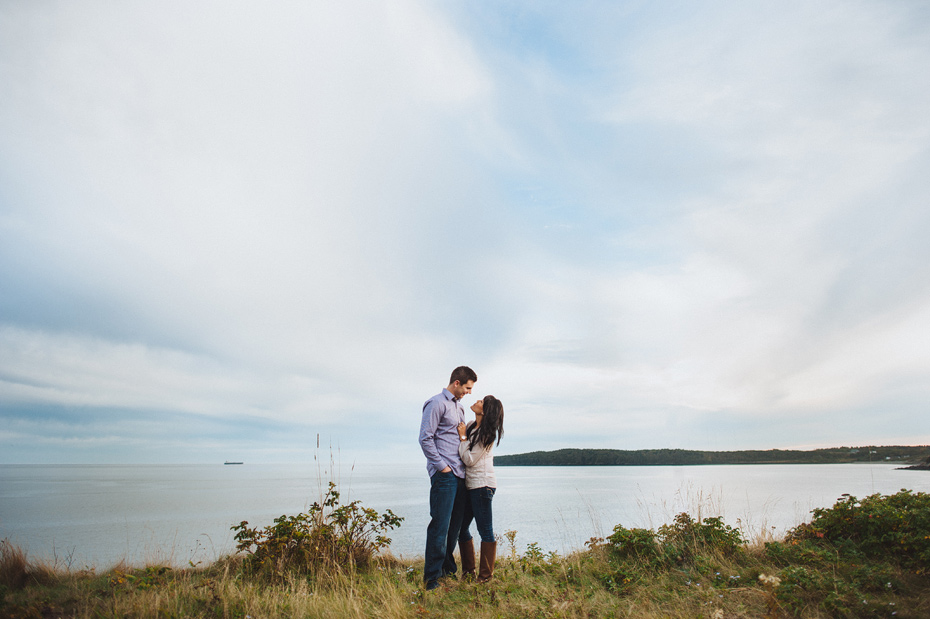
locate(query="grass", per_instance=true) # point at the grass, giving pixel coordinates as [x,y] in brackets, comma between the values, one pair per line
[585,584]
[858,559]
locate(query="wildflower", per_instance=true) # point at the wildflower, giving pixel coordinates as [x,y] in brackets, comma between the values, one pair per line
[765,579]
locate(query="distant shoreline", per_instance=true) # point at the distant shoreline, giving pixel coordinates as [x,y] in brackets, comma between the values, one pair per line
[893,454]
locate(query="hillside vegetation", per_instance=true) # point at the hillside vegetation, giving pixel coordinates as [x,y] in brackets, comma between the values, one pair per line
[859,558]
[680,457]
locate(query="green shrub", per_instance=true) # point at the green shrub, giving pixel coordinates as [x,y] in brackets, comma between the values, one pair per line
[863,591]
[896,527]
[687,537]
[640,545]
[533,560]
[147,578]
[680,542]
[327,540]
[620,581]
[800,552]
[875,578]
[848,560]
[799,585]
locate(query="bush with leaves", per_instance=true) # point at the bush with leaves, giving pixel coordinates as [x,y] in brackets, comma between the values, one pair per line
[687,536]
[851,559]
[639,545]
[328,539]
[675,543]
[895,527]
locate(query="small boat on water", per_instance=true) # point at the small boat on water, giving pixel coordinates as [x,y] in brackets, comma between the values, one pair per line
[228,462]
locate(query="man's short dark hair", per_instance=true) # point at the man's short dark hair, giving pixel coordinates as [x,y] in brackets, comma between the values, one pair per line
[463,374]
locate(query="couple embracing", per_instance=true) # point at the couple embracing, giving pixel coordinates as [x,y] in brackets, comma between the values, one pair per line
[462,483]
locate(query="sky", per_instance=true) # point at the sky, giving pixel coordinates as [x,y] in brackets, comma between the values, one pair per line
[268,232]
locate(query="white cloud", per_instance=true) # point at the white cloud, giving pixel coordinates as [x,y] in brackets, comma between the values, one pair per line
[231,180]
[310,213]
[810,107]
[88,372]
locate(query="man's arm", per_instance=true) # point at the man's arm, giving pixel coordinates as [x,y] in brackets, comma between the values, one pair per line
[432,413]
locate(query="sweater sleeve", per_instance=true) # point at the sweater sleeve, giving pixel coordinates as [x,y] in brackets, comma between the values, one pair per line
[471,457]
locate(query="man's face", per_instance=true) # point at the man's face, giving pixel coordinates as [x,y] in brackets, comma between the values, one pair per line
[459,390]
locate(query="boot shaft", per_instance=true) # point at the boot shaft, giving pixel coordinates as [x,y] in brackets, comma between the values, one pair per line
[488,558]
[467,552]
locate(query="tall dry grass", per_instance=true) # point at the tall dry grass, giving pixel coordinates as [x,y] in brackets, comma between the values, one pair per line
[685,569]
[585,584]
[17,571]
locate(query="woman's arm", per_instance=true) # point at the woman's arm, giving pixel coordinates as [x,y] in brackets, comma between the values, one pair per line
[471,457]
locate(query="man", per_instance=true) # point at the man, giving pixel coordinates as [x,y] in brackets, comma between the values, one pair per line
[439,439]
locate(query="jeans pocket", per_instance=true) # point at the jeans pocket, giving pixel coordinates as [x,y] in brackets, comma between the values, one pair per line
[442,479]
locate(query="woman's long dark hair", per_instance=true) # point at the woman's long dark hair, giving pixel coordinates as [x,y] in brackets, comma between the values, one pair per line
[492,424]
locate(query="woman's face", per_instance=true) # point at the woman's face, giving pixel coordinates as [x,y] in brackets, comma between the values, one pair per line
[478,407]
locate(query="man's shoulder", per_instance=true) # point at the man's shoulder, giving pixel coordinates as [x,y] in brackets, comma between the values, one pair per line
[440,398]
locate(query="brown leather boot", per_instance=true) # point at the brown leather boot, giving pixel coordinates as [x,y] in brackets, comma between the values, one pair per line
[467,550]
[488,557]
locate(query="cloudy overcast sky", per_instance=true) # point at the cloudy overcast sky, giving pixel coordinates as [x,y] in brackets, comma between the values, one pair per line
[228,228]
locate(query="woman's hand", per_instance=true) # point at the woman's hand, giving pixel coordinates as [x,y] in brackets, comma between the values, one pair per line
[461,430]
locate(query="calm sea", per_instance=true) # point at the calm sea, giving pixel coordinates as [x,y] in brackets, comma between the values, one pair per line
[81,515]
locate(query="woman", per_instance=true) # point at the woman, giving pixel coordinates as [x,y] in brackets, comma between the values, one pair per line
[476,442]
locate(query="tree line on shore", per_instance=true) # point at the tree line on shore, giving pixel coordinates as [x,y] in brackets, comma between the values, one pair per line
[681,457]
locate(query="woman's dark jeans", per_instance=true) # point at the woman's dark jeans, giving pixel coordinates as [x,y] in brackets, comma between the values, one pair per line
[479,500]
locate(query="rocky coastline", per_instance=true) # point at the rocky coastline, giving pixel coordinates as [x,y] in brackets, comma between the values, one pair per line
[923,466]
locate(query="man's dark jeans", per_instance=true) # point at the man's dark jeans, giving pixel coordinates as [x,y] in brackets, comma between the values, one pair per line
[480,508]
[447,497]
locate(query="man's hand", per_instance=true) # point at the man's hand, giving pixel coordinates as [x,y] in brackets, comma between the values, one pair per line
[448,469]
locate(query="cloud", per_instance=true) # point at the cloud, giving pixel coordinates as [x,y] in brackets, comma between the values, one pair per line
[808,108]
[249,179]
[227,214]
[303,216]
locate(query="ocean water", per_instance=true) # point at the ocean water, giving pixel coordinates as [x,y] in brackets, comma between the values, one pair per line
[98,515]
